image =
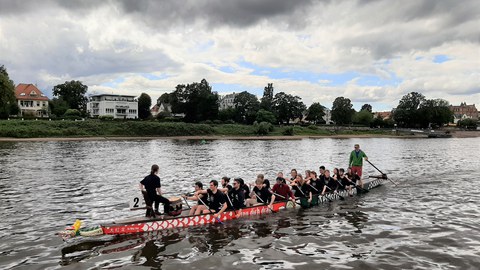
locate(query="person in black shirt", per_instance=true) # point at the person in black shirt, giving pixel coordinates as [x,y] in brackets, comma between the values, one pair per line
[260,194]
[215,200]
[302,190]
[244,187]
[331,185]
[151,185]
[293,174]
[236,196]
[316,184]
[226,187]
[347,185]
[281,178]
[266,183]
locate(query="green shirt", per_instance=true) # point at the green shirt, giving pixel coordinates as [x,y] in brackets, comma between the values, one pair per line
[357,160]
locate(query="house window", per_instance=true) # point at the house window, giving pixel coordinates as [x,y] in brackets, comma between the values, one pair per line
[38,104]
[22,94]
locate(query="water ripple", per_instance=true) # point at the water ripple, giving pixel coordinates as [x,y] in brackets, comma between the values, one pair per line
[429,222]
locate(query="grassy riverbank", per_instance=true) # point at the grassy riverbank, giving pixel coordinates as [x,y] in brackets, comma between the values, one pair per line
[96,128]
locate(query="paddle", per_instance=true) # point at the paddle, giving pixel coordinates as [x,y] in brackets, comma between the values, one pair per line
[228,197]
[210,210]
[384,176]
[263,202]
[276,194]
[319,192]
[187,202]
[341,197]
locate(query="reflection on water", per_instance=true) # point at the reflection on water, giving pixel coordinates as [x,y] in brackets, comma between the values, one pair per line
[429,221]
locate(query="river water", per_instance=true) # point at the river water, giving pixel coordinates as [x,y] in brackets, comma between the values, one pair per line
[430,221]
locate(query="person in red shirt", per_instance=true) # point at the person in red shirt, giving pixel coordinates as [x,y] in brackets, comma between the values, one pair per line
[281,191]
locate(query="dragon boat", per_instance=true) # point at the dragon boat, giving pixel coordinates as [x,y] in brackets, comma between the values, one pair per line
[148,224]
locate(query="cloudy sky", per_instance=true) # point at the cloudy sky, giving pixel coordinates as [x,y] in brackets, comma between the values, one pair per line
[369,51]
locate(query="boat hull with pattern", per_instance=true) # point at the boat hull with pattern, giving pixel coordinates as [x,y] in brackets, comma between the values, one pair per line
[139,225]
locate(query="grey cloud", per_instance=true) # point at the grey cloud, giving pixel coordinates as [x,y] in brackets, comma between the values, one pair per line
[167,13]
[413,25]
[217,13]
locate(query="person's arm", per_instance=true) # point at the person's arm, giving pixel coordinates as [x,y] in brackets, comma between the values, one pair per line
[292,197]
[272,200]
[224,190]
[224,207]
[252,193]
[159,190]
[203,191]
[142,187]
[193,198]
[350,160]
[310,197]
[324,189]
[365,156]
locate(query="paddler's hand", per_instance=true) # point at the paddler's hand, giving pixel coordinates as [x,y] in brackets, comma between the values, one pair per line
[215,215]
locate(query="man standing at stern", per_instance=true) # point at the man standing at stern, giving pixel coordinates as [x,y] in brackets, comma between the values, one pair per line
[356,162]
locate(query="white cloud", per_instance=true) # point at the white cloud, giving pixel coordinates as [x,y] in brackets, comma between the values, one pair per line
[98,43]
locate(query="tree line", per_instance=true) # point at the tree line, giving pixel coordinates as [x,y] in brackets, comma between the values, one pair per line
[198,103]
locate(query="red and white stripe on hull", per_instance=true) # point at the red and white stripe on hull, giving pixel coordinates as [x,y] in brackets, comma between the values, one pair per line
[148,225]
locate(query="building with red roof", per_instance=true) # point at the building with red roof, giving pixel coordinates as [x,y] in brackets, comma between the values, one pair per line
[31,100]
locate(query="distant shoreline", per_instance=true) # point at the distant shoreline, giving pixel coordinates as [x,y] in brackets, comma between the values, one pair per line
[457,134]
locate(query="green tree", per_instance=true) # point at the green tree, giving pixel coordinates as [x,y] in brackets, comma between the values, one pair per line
[366,107]
[315,113]
[467,124]
[407,113]
[72,92]
[266,102]
[342,111]
[227,114]
[363,117]
[265,116]
[58,106]
[164,98]
[435,112]
[196,101]
[8,105]
[288,107]
[144,104]
[72,114]
[246,106]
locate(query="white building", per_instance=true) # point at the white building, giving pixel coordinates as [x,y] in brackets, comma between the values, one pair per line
[328,116]
[31,100]
[227,101]
[118,106]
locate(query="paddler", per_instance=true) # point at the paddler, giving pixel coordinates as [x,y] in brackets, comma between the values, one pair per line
[260,194]
[331,185]
[281,191]
[302,191]
[198,186]
[215,200]
[236,196]
[151,185]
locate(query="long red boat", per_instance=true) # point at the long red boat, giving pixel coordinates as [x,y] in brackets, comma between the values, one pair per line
[146,224]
